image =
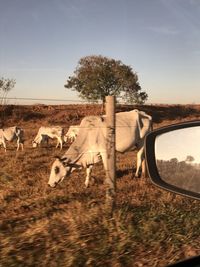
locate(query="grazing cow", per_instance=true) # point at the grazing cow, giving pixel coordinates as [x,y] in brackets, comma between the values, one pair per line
[90,145]
[72,133]
[44,133]
[11,134]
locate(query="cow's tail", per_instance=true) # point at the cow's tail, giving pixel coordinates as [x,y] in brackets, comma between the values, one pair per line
[145,123]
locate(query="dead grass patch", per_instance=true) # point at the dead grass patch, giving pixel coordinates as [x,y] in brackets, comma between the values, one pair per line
[68,226]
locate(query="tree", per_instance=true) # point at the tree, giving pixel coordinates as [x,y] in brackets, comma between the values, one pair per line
[189,159]
[6,85]
[96,77]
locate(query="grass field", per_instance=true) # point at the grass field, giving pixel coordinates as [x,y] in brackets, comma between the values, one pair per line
[68,226]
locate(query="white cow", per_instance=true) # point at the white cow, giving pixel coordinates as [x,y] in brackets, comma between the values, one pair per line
[44,133]
[90,145]
[11,134]
[72,133]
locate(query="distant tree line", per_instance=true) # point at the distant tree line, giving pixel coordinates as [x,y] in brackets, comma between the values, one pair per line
[184,174]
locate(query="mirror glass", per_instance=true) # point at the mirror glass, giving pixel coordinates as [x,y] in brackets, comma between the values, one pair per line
[178,158]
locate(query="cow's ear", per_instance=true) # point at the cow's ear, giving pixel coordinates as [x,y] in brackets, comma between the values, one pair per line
[73,165]
[63,159]
[58,157]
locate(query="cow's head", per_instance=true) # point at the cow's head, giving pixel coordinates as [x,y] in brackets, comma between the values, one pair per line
[61,168]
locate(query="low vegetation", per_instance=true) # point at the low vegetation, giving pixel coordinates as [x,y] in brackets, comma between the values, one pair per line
[69,226]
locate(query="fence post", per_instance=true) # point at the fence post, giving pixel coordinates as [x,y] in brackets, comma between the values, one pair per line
[110,147]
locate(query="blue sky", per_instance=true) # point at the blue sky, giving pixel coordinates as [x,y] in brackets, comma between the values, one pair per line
[43,40]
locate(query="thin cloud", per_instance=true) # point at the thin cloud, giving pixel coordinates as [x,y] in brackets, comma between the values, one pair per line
[69,9]
[187,12]
[163,30]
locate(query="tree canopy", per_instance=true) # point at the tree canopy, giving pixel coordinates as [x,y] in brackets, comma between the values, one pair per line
[96,77]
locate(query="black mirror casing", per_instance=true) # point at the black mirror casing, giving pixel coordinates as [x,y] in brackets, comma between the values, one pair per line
[150,152]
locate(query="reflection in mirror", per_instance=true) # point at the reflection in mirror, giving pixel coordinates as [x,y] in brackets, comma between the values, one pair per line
[178,158]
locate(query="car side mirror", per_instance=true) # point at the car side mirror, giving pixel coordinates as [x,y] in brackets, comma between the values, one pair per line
[173,158]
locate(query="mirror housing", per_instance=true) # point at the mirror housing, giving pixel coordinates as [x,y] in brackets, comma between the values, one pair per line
[173,158]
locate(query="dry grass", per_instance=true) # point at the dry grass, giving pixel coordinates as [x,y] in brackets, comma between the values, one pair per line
[68,226]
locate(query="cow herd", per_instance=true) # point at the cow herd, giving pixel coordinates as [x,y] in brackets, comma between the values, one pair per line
[16,133]
[89,142]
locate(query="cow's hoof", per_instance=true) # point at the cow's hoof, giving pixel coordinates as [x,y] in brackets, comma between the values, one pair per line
[134,176]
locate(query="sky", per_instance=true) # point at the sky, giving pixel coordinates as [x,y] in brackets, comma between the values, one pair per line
[178,144]
[43,40]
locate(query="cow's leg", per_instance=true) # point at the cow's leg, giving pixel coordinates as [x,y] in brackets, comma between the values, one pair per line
[144,168]
[22,145]
[18,144]
[140,158]
[40,140]
[4,144]
[88,175]
[59,142]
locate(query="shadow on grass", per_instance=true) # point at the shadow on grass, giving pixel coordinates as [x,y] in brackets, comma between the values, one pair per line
[122,173]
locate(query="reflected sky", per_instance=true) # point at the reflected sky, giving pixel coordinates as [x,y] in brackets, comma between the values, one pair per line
[179,144]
